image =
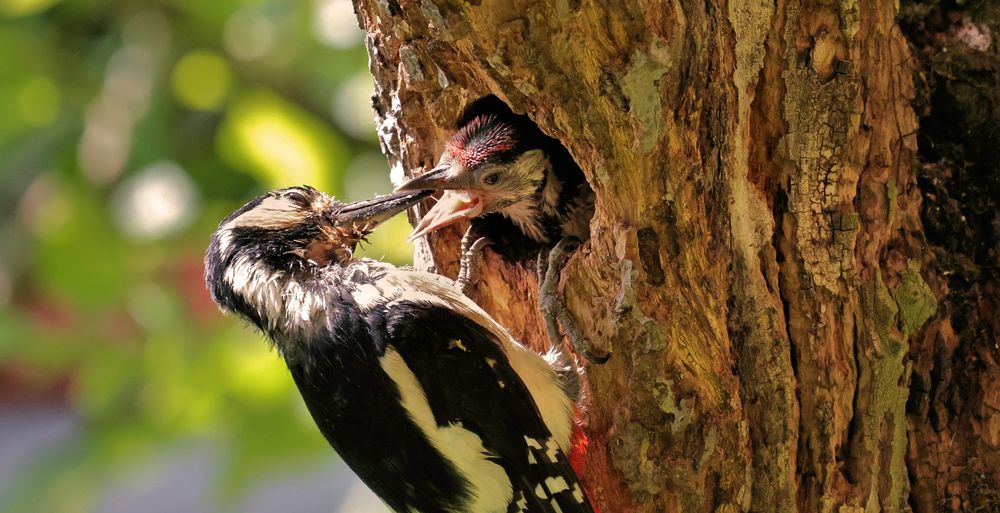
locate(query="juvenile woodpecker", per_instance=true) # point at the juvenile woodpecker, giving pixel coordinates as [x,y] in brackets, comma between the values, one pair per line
[431,402]
[500,163]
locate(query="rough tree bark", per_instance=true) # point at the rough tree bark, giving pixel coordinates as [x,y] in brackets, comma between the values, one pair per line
[787,335]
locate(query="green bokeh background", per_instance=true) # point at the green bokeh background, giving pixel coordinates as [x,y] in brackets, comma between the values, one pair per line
[129,129]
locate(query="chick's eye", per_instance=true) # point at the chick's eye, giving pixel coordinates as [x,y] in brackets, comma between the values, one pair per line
[491,179]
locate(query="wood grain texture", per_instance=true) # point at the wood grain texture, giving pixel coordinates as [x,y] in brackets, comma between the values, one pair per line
[757,263]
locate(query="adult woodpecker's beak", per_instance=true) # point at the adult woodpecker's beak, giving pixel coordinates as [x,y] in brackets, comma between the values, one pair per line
[367,214]
[442,178]
[457,203]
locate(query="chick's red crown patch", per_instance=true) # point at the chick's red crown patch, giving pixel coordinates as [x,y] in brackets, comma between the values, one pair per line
[479,139]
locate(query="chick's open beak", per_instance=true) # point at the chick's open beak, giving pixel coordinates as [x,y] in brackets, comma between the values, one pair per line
[451,208]
[367,214]
[459,201]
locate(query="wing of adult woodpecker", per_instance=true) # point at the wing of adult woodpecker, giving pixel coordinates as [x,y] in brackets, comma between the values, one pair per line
[432,403]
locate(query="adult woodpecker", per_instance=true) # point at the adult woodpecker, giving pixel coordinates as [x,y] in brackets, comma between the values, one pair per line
[431,402]
[499,164]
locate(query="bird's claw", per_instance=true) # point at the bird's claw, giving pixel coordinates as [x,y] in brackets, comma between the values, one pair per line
[471,259]
[553,308]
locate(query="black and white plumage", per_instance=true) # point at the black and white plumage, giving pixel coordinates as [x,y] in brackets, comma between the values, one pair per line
[431,402]
[499,164]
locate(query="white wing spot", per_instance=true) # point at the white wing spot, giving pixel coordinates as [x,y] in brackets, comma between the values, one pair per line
[522,503]
[555,506]
[552,450]
[540,492]
[532,443]
[578,493]
[556,484]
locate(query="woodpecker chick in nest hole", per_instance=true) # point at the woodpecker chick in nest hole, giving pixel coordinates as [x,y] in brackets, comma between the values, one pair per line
[499,164]
[431,402]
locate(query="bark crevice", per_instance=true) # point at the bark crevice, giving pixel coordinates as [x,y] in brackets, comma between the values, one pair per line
[758,262]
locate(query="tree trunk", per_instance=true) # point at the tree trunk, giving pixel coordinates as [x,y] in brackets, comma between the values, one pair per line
[785,336]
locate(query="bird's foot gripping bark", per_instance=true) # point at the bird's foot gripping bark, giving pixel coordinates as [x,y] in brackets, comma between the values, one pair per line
[472,257]
[553,308]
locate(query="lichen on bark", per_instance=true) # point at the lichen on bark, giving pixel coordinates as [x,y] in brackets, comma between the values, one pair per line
[758,263]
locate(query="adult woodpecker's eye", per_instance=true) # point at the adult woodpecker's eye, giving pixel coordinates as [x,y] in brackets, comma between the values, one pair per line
[491,179]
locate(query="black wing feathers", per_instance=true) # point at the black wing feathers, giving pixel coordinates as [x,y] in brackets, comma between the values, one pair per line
[467,380]
[355,406]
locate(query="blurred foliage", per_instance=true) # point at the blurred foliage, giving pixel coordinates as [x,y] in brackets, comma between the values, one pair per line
[130,129]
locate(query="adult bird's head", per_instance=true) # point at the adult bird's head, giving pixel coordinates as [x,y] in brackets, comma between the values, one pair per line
[494,163]
[281,239]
